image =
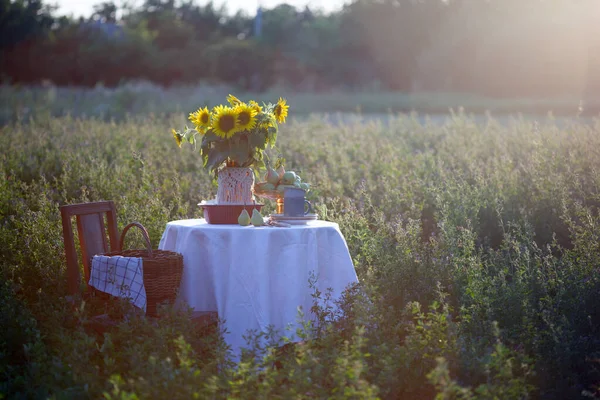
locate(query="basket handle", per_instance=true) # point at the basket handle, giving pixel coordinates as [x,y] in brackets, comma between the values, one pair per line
[144,234]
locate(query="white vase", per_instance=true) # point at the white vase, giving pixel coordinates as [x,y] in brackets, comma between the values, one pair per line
[235,186]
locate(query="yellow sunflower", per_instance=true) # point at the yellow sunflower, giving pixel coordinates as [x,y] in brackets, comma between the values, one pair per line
[246,117]
[193,117]
[200,118]
[224,121]
[178,137]
[255,106]
[234,101]
[281,110]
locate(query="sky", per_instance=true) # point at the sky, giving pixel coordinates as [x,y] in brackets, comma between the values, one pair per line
[85,7]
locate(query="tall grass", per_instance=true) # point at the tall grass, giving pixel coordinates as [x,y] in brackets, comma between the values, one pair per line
[476,247]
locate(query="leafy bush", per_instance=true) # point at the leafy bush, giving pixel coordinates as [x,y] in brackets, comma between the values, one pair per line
[476,247]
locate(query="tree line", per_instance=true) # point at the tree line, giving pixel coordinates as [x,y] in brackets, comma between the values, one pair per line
[494,47]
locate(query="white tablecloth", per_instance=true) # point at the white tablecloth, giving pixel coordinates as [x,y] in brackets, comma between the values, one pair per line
[256,277]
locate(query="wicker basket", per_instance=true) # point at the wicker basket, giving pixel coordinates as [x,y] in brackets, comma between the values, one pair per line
[162,270]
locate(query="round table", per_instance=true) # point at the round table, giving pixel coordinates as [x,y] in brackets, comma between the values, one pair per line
[256,278]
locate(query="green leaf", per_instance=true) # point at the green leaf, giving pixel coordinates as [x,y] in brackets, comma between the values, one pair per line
[216,155]
[205,147]
[258,140]
[272,136]
[210,136]
[240,151]
[259,165]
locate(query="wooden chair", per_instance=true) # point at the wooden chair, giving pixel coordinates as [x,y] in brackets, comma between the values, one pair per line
[92,237]
[92,233]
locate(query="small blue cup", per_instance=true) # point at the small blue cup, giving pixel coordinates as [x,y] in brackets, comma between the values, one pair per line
[295,203]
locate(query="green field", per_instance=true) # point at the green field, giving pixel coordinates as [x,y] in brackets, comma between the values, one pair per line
[476,246]
[144,98]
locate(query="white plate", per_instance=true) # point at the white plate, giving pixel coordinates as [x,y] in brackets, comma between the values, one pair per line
[294,220]
[282,217]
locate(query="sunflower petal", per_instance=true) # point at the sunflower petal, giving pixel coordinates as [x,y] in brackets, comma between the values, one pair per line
[234,101]
[178,137]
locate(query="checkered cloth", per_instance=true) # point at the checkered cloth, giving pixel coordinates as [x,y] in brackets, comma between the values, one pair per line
[121,277]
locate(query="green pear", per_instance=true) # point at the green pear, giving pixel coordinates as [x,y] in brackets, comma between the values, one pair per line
[272,176]
[257,218]
[305,186]
[289,178]
[244,218]
[268,186]
[280,171]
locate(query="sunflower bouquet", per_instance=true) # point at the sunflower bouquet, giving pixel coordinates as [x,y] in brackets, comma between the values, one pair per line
[234,135]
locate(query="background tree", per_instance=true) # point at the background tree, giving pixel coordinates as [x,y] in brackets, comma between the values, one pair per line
[105,12]
[515,48]
[23,20]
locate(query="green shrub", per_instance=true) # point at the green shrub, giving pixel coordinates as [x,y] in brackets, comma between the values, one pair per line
[475,244]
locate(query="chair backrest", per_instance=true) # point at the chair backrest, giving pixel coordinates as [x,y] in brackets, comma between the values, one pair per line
[92,236]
